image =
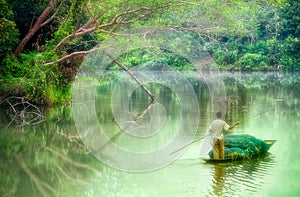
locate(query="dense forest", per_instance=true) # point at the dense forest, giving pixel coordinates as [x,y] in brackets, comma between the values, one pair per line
[43,43]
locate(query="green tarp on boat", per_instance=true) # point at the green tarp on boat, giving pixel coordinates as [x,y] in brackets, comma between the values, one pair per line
[243,146]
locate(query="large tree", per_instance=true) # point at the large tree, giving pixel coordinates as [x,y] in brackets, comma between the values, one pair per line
[61,32]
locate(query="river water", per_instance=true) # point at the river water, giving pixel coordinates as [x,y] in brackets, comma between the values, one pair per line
[50,159]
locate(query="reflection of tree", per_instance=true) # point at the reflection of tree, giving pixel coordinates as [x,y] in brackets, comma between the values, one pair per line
[41,186]
[241,90]
[237,99]
[41,159]
[45,158]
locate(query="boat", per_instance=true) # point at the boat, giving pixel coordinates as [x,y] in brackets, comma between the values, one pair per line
[270,143]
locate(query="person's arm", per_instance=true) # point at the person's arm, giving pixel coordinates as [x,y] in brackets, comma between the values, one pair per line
[234,125]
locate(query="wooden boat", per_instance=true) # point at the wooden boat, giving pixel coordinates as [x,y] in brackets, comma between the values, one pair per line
[208,160]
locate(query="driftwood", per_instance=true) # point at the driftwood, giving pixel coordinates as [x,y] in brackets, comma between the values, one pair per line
[22,112]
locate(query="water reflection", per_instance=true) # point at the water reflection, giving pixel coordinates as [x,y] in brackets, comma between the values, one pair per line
[218,182]
[241,178]
[49,159]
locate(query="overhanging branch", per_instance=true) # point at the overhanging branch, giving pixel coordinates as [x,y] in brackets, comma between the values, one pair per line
[131,74]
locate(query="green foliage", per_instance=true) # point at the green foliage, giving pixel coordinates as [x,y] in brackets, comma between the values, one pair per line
[290,16]
[274,45]
[226,57]
[9,33]
[11,67]
[240,35]
[77,16]
[251,61]
[290,58]
[152,57]
[28,76]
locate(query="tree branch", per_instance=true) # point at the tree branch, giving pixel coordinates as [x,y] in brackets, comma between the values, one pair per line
[114,60]
[35,28]
[71,55]
[131,74]
[53,15]
[116,20]
[82,30]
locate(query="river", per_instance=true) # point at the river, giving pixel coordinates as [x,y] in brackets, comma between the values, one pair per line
[53,157]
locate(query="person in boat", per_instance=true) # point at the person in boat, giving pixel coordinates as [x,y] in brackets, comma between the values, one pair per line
[216,129]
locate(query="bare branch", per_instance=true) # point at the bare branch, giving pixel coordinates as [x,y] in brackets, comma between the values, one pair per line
[142,114]
[72,55]
[32,20]
[120,21]
[131,74]
[23,112]
[84,29]
[53,15]
[116,20]
[93,20]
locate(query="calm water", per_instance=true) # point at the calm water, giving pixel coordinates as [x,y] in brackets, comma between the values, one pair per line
[49,159]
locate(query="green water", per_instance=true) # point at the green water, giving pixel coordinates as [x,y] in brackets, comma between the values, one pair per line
[49,159]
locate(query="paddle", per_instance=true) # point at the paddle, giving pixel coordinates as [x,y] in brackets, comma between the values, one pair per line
[188,144]
[231,127]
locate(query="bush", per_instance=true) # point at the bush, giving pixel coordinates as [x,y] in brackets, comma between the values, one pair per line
[9,32]
[226,57]
[251,61]
[28,76]
[290,58]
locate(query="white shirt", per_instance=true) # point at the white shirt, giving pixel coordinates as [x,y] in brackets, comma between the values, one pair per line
[216,128]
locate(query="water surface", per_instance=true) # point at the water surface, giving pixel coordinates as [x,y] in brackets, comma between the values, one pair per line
[49,159]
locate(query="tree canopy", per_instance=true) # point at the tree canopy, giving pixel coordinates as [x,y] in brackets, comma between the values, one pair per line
[42,43]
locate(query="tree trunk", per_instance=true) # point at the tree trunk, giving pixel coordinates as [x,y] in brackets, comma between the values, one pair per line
[35,28]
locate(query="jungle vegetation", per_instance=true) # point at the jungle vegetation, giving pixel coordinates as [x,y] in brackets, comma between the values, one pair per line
[43,43]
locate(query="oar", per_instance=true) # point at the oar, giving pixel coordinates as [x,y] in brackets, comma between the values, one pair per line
[188,144]
[260,113]
[238,122]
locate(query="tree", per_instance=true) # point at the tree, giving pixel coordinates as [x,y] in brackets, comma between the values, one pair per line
[74,26]
[38,24]
[9,32]
[290,19]
[55,35]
